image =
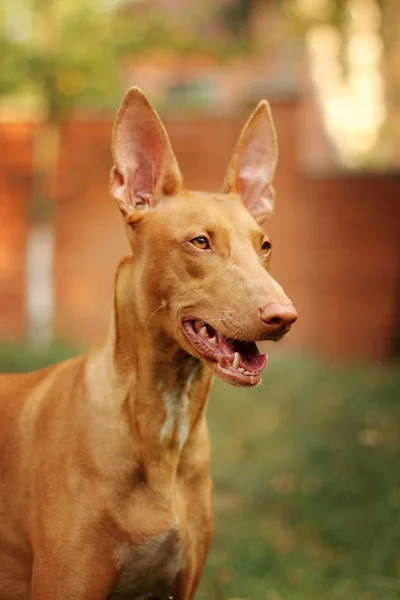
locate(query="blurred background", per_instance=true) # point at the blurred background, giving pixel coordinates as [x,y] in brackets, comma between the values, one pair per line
[306,468]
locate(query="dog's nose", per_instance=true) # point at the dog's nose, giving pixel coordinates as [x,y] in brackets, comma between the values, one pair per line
[278,318]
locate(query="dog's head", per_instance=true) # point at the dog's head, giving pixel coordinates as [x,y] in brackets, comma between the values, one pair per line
[201,259]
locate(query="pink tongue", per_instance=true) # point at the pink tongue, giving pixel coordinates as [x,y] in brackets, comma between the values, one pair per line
[252,363]
[249,357]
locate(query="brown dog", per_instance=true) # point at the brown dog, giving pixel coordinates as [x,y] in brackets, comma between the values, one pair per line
[105,489]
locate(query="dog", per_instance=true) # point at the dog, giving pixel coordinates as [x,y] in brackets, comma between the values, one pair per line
[105,488]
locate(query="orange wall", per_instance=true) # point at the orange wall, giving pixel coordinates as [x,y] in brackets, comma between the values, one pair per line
[15,185]
[336,240]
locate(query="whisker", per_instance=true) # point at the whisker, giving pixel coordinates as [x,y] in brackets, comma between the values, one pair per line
[154,312]
[211,319]
[234,336]
[224,310]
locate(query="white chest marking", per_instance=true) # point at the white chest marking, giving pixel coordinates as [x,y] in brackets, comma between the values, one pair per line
[177,414]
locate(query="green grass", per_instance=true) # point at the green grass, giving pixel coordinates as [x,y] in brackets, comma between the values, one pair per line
[16,357]
[307,485]
[306,476]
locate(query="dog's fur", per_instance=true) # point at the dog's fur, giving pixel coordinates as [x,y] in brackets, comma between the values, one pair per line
[105,489]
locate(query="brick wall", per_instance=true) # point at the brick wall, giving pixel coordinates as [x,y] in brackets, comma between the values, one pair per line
[15,184]
[353,265]
[336,240]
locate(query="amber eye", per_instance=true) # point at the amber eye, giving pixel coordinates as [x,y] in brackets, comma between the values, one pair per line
[266,247]
[200,242]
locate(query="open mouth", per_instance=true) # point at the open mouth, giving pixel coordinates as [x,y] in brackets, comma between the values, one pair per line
[238,362]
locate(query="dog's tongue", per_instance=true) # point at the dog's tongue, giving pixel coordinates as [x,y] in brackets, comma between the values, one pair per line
[247,354]
[230,353]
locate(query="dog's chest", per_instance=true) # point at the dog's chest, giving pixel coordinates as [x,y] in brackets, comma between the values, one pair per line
[149,571]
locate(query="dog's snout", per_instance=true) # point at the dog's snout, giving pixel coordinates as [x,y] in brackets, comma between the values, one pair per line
[278,318]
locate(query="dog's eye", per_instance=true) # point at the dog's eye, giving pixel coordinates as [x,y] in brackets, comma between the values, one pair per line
[266,248]
[200,242]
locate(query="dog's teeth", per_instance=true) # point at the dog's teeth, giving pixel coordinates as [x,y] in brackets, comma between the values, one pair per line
[203,331]
[213,340]
[247,373]
[241,370]
[235,363]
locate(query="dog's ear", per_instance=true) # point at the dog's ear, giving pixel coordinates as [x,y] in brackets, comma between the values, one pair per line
[253,164]
[145,168]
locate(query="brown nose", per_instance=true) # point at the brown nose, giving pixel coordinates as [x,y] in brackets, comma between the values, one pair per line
[278,317]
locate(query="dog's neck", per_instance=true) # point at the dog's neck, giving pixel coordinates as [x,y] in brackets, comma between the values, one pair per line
[159,388]
[143,354]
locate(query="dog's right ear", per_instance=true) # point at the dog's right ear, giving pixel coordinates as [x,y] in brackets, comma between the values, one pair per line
[253,164]
[145,168]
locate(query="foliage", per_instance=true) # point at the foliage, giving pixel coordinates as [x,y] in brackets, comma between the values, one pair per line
[81,65]
[306,481]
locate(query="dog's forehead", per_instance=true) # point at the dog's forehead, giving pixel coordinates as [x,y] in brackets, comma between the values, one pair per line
[208,210]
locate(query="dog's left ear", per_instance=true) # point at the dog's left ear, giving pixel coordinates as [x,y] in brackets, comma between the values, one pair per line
[145,169]
[253,164]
